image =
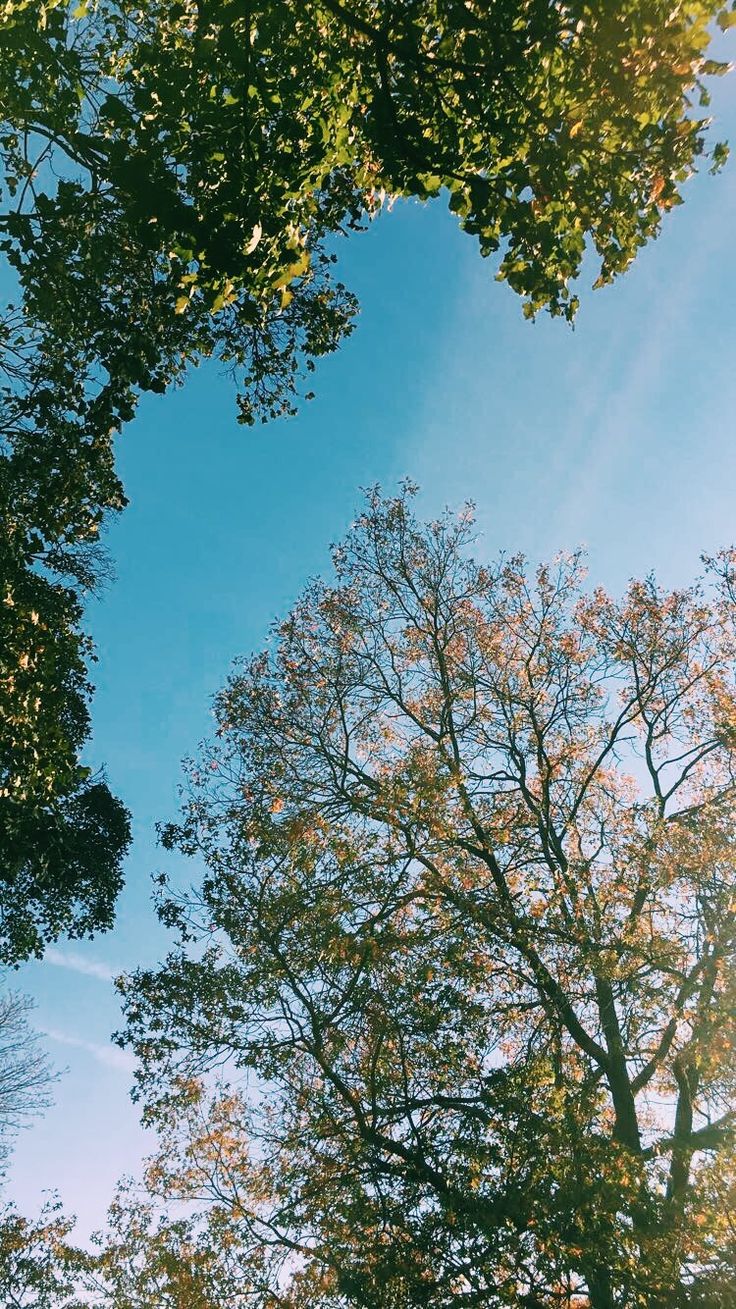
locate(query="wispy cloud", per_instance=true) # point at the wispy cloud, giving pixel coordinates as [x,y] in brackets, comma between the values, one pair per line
[108,1055]
[77,963]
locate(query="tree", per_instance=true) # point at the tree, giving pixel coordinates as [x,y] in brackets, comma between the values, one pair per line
[147,1258]
[173,178]
[25,1075]
[468,926]
[171,173]
[63,834]
[37,1266]
[173,170]
[35,1259]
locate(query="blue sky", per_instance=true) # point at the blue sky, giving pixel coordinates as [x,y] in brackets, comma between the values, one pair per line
[618,435]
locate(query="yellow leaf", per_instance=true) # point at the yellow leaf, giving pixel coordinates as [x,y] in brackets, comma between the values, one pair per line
[257,234]
[297,269]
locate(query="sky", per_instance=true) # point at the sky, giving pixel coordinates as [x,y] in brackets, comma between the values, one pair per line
[617,435]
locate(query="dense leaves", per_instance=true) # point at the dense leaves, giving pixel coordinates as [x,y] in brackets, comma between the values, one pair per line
[62,833]
[467,931]
[547,125]
[167,159]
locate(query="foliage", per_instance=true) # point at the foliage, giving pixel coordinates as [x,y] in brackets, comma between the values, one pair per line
[546,125]
[171,171]
[172,180]
[145,1259]
[468,926]
[25,1075]
[37,1266]
[62,833]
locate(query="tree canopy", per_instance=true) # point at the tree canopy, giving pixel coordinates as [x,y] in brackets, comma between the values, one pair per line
[173,178]
[62,832]
[172,172]
[167,162]
[464,952]
[38,1266]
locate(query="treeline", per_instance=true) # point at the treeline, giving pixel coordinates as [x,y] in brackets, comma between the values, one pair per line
[463,950]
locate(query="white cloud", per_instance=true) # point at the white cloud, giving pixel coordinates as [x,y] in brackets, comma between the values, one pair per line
[77,963]
[108,1055]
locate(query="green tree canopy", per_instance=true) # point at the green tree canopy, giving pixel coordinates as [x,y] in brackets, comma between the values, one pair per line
[172,171]
[62,832]
[468,925]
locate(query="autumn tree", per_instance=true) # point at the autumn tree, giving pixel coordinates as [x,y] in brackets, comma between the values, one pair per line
[464,947]
[38,1266]
[147,1257]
